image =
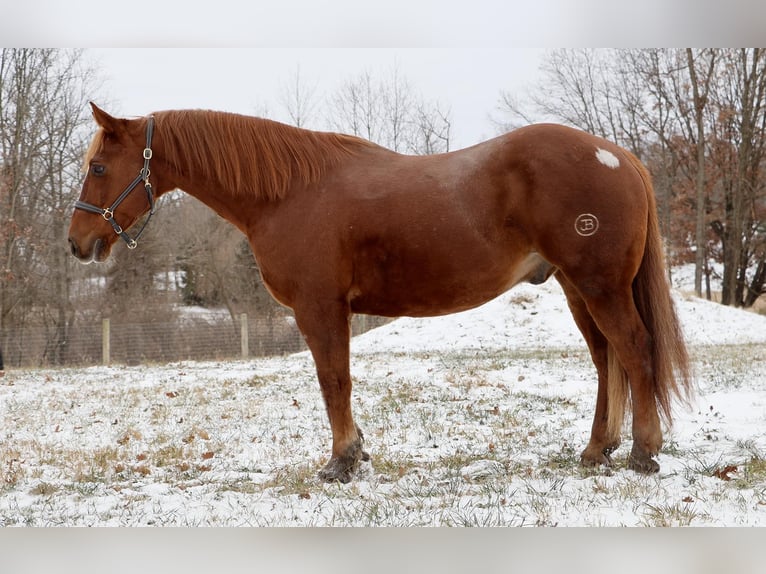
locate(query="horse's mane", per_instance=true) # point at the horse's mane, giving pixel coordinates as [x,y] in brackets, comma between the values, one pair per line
[250,156]
[96,145]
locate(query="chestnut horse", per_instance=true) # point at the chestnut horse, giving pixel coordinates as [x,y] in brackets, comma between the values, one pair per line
[339,225]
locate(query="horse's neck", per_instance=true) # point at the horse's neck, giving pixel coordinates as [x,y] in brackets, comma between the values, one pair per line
[222,201]
[267,162]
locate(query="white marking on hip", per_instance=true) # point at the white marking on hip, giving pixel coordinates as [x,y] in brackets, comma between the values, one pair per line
[607,158]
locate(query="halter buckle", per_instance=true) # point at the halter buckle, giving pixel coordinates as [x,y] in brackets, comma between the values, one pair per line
[147,153]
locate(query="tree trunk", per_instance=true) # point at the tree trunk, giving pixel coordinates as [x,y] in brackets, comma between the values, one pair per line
[756,287]
[700,95]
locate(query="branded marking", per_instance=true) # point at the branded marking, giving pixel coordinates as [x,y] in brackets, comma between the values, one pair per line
[586,224]
[607,158]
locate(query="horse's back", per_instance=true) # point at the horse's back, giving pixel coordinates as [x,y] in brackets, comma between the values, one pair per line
[407,235]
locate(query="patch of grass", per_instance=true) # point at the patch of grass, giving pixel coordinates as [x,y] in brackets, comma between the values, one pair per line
[751,474]
[672,448]
[11,468]
[44,489]
[96,465]
[530,402]
[159,413]
[635,488]
[378,510]
[676,514]
[457,460]
[130,434]
[195,433]
[241,486]
[45,454]
[85,489]
[729,366]
[299,479]
[257,381]
[566,459]
[726,377]
[399,395]
[522,299]
[696,465]
[393,466]
[169,456]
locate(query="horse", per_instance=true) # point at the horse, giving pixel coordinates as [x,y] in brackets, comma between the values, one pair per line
[339,225]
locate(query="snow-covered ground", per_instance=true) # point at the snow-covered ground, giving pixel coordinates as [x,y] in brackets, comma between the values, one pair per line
[476,418]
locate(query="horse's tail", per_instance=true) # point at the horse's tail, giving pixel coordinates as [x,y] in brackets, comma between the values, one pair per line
[651,294]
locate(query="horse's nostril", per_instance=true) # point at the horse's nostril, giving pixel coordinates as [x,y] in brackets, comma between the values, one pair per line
[73,247]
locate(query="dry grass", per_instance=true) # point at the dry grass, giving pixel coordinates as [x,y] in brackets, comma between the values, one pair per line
[457,439]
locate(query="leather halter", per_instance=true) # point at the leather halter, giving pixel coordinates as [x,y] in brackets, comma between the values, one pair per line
[143,176]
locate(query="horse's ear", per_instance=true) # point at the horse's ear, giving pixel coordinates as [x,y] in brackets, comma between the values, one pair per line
[109,124]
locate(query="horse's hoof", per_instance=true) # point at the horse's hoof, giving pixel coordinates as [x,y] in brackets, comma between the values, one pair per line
[595,458]
[596,461]
[339,469]
[642,463]
[342,468]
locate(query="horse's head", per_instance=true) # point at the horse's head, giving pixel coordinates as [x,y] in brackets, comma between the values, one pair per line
[116,191]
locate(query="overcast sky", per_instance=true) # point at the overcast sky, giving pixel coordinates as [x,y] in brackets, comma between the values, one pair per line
[466,81]
[461,53]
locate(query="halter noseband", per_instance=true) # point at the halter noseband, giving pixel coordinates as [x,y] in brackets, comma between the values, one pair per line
[143,175]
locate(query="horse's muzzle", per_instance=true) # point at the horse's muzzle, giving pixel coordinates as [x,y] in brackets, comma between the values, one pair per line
[83,256]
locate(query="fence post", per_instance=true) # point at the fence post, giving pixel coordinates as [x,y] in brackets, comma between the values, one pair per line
[105,342]
[244,336]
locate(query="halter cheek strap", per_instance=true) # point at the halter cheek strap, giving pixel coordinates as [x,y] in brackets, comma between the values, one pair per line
[143,175]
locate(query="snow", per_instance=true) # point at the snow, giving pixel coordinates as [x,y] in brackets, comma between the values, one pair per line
[475,418]
[523,318]
[531,316]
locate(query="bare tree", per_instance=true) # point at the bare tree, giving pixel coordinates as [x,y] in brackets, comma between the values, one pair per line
[390,113]
[580,89]
[356,108]
[431,133]
[42,103]
[216,265]
[700,86]
[398,103]
[741,99]
[299,99]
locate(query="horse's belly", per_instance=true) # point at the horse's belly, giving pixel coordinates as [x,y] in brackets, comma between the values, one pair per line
[430,289]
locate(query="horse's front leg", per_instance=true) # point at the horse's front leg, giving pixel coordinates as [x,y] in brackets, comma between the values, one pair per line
[327,333]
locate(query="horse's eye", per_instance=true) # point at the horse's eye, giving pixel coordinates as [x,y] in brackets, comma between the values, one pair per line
[98,170]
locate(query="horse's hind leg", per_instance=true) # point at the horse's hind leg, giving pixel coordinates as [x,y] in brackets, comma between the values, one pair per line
[616,316]
[327,333]
[603,439]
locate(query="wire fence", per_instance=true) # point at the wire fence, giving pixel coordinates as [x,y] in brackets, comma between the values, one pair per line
[102,341]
